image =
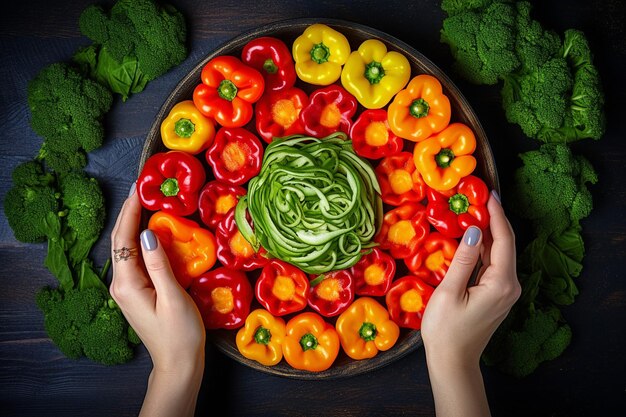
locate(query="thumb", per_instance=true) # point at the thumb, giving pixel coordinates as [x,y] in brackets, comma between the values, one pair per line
[157,263]
[464,261]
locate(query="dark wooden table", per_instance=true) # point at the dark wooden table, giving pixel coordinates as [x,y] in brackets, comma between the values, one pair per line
[589,379]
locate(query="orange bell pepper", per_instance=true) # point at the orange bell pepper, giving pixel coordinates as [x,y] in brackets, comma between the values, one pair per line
[190,248]
[446,157]
[311,344]
[261,338]
[419,110]
[365,329]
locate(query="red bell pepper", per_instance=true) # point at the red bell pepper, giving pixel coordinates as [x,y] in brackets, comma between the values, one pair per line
[223,296]
[278,113]
[400,182]
[373,273]
[228,90]
[272,58]
[282,288]
[331,293]
[235,155]
[233,250]
[171,181]
[215,201]
[452,212]
[330,110]
[371,136]
[403,230]
[433,258]
[406,301]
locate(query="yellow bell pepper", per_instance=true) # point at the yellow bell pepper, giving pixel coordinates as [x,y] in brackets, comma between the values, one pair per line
[186,129]
[365,329]
[374,75]
[319,54]
[261,338]
[445,158]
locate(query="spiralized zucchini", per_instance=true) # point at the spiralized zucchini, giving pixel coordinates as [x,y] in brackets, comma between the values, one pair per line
[314,204]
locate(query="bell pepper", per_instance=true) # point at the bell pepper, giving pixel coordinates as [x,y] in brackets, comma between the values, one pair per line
[235,155]
[233,250]
[433,258]
[400,182]
[311,343]
[371,136]
[365,329]
[171,181]
[272,58]
[215,201]
[319,54]
[190,248]
[445,158]
[223,297]
[419,110]
[403,230]
[228,90]
[261,338]
[373,273]
[330,110]
[374,75]
[452,212]
[277,113]
[406,301]
[282,288]
[331,293]
[186,129]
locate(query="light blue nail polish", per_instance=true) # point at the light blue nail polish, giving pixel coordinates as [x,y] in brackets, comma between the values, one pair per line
[132,189]
[472,236]
[496,196]
[148,240]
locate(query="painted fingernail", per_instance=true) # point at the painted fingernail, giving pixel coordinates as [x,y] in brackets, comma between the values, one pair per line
[148,240]
[495,195]
[132,189]
[472,236]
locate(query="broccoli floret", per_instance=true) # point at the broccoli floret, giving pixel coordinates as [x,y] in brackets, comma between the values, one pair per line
[551,188]
[84,204]
[105,339]
[452,7]
[482,42]
[67,110]
[154,34]
[534,46]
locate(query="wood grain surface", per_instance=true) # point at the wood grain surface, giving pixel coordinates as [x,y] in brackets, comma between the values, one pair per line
[589,379]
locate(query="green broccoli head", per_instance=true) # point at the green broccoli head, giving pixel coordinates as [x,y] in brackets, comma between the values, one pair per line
[482,42]
[105,339]
[67,110]
[154,34]
[534,46]
[452,7]
[84,203]
[551,188]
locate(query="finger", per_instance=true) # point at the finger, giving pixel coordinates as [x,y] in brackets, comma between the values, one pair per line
[464,261]
[503,244]
[158,265]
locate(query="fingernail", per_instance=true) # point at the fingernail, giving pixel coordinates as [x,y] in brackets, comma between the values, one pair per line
[132,189]
[472,236]
[495,195]
[148,240]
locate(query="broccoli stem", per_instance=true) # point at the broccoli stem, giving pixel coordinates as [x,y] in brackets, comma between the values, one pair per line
[374,72]
[169,187]
[270,66]
[419,108]
[227,90]
[320,53]
[184,128]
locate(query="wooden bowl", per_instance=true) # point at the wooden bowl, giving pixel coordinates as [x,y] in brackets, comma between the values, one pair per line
[288,31]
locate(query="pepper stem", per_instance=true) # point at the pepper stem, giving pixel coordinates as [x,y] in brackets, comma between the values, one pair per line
[368,331]
[308,341]
[444,158]
[184,128]
[459,203]
[227,90]
[262,335]
[374,72]
[169,187]
[419,108]
[320,53]
[270,66]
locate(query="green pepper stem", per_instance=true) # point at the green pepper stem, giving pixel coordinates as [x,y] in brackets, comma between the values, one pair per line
[368,331]
[270,66]
[320,53]
[308,342]
[459,203]
[184,128]
[227,90]
[374,72]
[262,335]
[419,108]
[169,187]
[444,158]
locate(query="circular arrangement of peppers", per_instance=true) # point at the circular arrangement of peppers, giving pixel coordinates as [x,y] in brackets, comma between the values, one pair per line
[398,122]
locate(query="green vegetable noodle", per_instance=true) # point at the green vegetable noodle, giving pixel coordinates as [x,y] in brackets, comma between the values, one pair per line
[315,203]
